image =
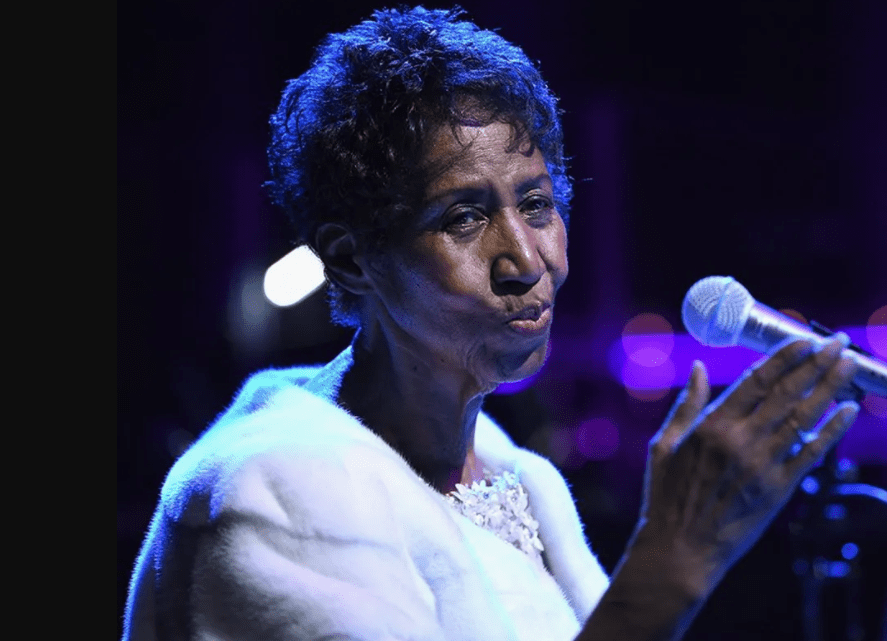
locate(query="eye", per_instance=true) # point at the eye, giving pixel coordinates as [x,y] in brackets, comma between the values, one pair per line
[463,219]
[538,208]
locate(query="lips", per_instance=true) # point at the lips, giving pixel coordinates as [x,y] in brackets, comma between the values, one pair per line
[532,320]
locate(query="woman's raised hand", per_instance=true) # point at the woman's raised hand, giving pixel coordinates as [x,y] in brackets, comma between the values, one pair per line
[718,473]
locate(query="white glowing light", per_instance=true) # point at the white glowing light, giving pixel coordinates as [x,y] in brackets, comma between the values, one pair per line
[294,277]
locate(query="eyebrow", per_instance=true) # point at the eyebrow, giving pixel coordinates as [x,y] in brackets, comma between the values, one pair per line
[542,178]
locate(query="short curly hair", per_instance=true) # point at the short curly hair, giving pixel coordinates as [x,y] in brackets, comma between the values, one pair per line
[347,137]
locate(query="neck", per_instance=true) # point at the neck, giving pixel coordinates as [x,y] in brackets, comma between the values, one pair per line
[423,410]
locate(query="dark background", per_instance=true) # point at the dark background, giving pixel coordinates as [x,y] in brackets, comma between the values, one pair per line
[743,138]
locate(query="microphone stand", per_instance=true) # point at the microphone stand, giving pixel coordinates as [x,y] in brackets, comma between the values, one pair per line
[825,541]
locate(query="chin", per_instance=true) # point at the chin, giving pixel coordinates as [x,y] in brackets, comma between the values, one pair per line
[515,367]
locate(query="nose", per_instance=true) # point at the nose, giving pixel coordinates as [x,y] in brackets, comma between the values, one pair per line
[517,262]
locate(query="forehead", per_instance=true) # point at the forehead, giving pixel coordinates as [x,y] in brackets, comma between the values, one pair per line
[469,154]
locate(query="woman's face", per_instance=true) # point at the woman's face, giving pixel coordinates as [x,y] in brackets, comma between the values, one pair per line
[473,285]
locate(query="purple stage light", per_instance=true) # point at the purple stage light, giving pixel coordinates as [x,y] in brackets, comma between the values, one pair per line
[648,370]
[875,405]
[645,367]
[516,386]
[876,332]
[645,376]
[648,339]
[724,364]
[648,382]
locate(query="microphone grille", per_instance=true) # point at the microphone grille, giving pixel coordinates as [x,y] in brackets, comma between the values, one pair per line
[715,310]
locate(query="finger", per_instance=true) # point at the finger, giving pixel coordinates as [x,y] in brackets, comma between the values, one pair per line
[793,432]
[690,402]
[793,401]
[837,424]
[756,384]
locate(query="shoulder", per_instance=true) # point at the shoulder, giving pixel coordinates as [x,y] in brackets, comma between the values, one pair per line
[279,450]
[295,512]
[258,390]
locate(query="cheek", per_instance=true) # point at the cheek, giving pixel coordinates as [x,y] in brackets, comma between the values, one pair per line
[556,252]
[437,293]
[453,279]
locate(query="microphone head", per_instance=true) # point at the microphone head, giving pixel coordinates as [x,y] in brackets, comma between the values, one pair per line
[715,310]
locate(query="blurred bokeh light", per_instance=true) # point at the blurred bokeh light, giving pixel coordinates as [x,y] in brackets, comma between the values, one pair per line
[294,277]
[876,332]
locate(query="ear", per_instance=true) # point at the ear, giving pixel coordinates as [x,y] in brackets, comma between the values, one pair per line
[342,257]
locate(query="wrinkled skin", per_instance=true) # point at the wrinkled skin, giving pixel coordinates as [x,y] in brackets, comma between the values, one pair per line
[487,244]
[443,322]
[462,304]
[717,474]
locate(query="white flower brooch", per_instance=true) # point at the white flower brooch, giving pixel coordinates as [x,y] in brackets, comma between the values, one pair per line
[500,505]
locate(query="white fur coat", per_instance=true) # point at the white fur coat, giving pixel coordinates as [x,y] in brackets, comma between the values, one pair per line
[290,520]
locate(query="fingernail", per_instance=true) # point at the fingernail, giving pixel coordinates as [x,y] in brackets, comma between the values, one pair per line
[693,368]
[847,364]
[833,347]
[849,413]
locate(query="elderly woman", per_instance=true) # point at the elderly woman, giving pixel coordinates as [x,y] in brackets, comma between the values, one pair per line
[421,158]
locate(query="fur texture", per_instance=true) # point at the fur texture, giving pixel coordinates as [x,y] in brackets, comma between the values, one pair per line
[288,519]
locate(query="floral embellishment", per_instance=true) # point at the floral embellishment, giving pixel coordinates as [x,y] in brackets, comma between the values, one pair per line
[500,505]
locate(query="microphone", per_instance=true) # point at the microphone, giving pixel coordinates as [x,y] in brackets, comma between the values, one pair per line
[718,311]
